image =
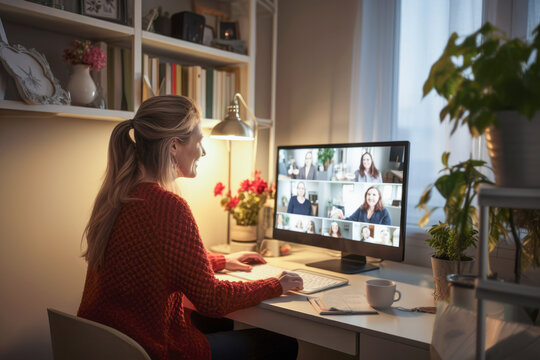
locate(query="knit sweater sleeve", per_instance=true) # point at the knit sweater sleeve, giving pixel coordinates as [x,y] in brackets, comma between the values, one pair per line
[216,260]
[188,268]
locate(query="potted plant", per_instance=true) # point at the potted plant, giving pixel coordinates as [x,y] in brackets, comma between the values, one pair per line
[492,85]
[244,207]
[450,239]
[325,156]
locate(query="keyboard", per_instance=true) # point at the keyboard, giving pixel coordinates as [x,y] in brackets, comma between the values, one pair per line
[313,281]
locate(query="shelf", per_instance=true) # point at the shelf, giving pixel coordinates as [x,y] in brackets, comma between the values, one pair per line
[157,44]
[48,18]
[516,198]
[20,109]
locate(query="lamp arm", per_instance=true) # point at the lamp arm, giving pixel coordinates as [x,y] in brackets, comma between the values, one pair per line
[255,128]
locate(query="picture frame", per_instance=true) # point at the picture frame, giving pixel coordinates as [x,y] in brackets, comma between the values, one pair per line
[33,77]
[228,30]
[212,16]
[110,10]
[208,35]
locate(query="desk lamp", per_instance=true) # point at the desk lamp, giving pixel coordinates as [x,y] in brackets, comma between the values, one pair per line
[234,128]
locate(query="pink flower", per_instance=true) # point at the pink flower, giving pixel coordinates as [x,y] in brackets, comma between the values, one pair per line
[82,52]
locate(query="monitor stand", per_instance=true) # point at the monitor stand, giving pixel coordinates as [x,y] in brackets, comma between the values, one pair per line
[348,264]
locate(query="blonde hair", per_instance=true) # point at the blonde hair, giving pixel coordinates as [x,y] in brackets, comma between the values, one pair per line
[159,121]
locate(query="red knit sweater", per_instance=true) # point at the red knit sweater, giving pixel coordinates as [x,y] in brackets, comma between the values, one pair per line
[155,256]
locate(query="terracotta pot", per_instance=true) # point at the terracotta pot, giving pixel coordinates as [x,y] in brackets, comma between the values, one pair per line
[442,268]
[514,149]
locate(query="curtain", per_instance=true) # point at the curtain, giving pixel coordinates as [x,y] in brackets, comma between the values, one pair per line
[374,70]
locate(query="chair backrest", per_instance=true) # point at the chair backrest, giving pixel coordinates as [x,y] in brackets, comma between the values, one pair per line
[73,337]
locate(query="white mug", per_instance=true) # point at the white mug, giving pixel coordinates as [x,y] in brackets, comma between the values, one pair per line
[381,293]
[269,247]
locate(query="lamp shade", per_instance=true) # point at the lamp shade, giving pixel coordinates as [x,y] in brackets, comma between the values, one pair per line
[232,128]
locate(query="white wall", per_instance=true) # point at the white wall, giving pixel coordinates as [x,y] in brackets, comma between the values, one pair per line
[315,39]
[51,170]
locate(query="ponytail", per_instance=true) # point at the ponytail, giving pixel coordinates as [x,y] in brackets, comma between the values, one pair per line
[120,177]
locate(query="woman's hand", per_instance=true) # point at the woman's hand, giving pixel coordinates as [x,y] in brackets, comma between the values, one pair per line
[240,261]
[290,281]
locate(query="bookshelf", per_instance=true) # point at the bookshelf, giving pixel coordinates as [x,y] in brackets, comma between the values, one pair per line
[64,24]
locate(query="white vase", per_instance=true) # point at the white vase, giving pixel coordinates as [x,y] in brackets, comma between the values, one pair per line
[81,86]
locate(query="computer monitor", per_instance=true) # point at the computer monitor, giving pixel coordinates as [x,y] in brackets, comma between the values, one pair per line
[348,197]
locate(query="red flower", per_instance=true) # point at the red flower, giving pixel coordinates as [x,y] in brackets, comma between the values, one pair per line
[259,186]
[218,190]
[232,203]
[244,186]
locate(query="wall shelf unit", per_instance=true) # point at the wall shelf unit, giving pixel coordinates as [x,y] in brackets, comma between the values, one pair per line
[65,24]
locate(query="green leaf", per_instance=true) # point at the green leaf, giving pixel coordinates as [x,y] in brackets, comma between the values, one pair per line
[444,158]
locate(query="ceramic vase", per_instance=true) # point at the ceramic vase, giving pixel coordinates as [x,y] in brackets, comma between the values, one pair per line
[81,86]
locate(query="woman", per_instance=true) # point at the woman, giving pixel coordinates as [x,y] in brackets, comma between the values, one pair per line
[384,237]
[334,230]
[298,203]
[144,249]
[308,171]
[366,234]
[367,172]
[279,222]
[311,227]
[371,211]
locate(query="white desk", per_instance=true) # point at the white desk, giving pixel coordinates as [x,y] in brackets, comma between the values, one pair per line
[392,334]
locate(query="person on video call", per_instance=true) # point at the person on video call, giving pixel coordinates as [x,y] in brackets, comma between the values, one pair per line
[308,171]
[145,253]
[384,237]
[279,222]
[366,234]
[367,172]
[298,203]
[311,229]
[371,211]
[334,230]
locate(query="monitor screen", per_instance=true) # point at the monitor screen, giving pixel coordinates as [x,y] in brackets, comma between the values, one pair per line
[348,197]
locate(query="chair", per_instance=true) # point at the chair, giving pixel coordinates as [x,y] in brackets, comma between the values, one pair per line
[73,337]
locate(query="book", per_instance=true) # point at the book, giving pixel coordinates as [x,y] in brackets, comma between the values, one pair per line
[209,93]
[127,77]
[146,82]
[334,304]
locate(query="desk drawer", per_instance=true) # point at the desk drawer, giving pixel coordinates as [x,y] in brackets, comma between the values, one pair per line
[323,335]
[372,347]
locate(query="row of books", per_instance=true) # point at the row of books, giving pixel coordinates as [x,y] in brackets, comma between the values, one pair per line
[212,89]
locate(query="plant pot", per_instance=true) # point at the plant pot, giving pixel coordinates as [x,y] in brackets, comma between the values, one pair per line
[244,238]
[81,86]
[241,233]
[514,149]
[441,269]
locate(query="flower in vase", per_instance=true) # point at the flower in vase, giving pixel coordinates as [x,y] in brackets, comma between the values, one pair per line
[245,206]
[83,52]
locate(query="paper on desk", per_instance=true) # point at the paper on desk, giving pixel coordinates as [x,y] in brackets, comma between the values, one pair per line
[331,304]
